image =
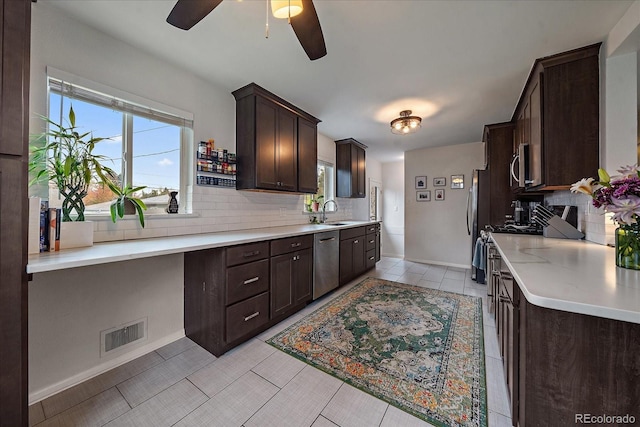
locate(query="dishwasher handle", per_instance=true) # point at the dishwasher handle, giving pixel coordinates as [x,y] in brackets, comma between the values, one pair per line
[328,239]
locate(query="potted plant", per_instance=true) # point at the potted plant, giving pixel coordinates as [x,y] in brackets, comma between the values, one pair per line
[315,203]
[126,196]
[67,159]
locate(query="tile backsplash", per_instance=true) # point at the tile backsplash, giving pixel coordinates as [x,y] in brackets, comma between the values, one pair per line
[594,223]
[218,209]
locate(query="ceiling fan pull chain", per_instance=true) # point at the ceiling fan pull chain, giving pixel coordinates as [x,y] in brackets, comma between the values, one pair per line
[266,29]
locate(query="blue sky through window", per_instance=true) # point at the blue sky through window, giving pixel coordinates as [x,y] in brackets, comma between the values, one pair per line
[156,145]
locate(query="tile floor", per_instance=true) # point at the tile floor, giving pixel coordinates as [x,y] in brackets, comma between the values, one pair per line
[254,384]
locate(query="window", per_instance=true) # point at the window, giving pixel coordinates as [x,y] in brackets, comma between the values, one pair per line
[143,145]
[326,186]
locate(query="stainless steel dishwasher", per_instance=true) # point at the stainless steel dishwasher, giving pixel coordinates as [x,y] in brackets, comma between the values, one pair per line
[326,261]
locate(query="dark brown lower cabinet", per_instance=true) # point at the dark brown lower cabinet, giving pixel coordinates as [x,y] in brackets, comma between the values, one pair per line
[561,366]
[291,279]
[572,365]
[226,295]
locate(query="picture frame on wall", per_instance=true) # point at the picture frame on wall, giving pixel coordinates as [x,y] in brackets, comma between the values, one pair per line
[421,182]
[440,181]
[439,194]
[423,196]
[457,181]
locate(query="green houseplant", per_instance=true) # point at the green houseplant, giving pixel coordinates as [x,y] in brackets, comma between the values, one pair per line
[126,195]
[67,158]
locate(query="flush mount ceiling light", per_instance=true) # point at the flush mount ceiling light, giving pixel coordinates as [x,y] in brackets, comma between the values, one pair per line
[406,123]
[286,8]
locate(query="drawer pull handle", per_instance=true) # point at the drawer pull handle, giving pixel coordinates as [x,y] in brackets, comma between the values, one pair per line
[246,319]
[296,257]
[371,258]
[356,242]
[504,299]
[253,279]
[372,241]
[330,239]
[250,254]
[295,245]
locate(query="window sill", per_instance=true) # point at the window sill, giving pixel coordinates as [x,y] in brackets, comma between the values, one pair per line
[107,217]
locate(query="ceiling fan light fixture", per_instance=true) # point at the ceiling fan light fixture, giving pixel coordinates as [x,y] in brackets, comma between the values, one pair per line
[406,123]
[286,8]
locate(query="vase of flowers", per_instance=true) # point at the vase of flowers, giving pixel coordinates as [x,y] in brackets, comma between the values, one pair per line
[619,195]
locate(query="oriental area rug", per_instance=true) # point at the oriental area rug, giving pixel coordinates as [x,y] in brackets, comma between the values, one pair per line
[418,349]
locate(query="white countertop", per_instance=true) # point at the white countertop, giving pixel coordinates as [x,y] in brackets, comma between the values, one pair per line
[571,275]
[102,253]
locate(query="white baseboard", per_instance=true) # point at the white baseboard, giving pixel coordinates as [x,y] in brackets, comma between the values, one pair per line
[401,256]
[43,393]
[446,264]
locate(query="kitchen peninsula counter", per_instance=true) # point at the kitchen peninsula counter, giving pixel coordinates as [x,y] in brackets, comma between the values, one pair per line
[575,276]
[102,253]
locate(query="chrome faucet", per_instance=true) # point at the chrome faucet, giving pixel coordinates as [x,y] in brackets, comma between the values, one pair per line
[324,213]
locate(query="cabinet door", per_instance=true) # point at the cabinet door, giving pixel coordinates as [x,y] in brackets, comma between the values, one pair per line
[378,246]
[307,156]
[303,276]
[346,260]
[535,137]
[282,292]
[287,150]
[360,174]
[359,264]
[266,147]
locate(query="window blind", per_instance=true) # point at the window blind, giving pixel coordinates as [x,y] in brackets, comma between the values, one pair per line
[77,92]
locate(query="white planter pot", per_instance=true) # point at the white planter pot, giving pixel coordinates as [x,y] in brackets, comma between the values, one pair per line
[76,234]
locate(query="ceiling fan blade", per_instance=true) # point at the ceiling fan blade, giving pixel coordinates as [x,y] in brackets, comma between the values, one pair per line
[187,13]
[307,28]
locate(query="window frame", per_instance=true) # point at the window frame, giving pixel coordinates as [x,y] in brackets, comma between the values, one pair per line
[69,86]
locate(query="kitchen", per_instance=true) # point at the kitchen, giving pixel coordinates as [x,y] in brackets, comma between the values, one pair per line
[54,26]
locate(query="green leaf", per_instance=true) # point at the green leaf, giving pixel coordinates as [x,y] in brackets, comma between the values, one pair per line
[72,117]
[68,162]
[140,214]
[112,209]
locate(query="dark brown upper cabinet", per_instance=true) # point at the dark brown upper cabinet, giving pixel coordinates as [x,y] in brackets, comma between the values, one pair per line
[557,117]
[350,166]
[495,185]
[276,143]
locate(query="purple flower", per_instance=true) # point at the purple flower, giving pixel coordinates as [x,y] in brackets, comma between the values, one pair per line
[625,211]
[629,171]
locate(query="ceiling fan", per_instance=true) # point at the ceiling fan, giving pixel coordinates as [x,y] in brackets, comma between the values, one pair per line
[187,13]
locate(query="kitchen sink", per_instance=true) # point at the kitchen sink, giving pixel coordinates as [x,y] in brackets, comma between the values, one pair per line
[335,223]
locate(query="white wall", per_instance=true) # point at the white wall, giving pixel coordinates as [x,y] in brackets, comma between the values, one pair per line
[361,206]
[393,209]
[436,231]
[69,308]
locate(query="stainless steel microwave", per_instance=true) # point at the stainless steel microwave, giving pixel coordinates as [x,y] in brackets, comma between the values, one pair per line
[520,162]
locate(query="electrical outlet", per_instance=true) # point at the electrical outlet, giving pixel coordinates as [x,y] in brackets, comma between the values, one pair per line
[283,212]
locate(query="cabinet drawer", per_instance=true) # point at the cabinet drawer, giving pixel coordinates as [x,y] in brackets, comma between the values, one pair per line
[350,233]
[370,242]
[244,281]
[242,254]
[373,228]
[291,244]
[370,259]
[247,316]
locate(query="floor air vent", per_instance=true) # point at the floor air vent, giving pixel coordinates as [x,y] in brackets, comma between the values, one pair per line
[123,335]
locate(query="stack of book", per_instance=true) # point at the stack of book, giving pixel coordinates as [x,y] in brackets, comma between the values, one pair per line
[49,227]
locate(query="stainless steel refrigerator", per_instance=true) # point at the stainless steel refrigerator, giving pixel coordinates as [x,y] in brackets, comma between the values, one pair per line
[473,201]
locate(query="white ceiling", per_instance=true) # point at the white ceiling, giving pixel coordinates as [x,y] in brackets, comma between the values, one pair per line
[458,64]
